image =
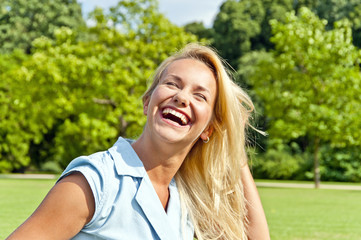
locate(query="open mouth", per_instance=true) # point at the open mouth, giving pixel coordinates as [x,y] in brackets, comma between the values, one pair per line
[175,116]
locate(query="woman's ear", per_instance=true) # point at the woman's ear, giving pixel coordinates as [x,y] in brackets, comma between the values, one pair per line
[207,133]
[145,106]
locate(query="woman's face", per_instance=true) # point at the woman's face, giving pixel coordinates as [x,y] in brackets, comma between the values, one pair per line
[180,108]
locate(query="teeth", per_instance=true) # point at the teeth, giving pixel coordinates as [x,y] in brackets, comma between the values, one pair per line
[177,114]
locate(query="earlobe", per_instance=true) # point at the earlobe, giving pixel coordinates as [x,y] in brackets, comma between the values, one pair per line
[207,133]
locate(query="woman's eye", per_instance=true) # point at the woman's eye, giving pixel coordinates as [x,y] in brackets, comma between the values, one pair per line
[201,96]
[171,84]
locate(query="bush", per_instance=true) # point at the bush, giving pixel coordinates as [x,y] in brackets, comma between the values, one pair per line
[280,163]
[341,164]
[51,167]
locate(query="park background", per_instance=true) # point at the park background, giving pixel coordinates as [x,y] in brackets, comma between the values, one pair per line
[70,84]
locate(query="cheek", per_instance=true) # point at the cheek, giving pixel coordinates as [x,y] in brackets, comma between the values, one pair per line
[205,113]
[163,93]
[158,96]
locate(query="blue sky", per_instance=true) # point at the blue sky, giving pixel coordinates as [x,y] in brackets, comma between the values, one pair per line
[179,12]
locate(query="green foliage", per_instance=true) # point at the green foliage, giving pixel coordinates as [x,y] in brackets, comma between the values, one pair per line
[274,9]
[310,83]
[14,143]
[71,97]
[279,165]
[51,167]
[242,26]
[341,164]
[305,86]
[235,25]
[281,162]
[22,21]
[336,10]
[198,29]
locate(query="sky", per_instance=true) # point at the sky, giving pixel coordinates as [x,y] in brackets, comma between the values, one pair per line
[179,12]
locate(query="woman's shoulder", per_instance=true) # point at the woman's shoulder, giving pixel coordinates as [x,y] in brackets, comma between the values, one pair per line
[102,162]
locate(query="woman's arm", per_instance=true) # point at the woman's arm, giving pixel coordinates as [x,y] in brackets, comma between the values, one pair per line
[63,213]
[258,228]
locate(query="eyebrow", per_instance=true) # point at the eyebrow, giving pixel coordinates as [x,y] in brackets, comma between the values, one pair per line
[176,77]
[202,89]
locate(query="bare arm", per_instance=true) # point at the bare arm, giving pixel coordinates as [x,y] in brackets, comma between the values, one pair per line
[63,213]
[258,228]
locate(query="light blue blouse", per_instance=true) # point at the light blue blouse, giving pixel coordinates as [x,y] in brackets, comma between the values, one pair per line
[126,204]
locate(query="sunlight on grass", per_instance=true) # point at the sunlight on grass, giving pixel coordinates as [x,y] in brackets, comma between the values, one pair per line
[312,214]
[18,199]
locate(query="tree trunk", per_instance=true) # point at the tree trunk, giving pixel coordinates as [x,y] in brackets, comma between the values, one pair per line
[317,175]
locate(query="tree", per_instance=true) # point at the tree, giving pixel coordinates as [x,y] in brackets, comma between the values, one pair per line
[22,21]
[242,26]
[336,10]
[309,84]
[13,142]
[198,29]
[235,25]
[75,97]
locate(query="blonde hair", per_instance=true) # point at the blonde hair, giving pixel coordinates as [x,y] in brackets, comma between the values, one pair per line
[209,180]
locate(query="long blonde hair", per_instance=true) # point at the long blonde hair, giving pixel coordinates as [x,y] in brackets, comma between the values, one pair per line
[209,180]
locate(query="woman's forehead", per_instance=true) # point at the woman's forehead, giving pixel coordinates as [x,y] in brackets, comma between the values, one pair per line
[187,63]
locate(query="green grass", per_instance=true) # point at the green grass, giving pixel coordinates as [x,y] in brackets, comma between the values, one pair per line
[293,214]
[307,182]
[18,199]
[312,214]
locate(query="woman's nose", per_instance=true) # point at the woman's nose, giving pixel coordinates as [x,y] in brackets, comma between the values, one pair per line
[181,99]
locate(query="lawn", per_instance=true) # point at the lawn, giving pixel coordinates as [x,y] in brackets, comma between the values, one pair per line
[18,199]
[293,214]
[312,214]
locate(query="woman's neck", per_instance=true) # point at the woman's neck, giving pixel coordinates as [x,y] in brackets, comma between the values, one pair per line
[160,160]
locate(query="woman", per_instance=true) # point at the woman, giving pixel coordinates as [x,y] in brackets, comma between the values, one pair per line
[185,176]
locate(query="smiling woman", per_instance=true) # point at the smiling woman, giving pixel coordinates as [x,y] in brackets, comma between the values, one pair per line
[210,178]
[186,90]
[185,176]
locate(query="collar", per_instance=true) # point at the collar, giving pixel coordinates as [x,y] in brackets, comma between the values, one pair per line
[126,159]
[165,224]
